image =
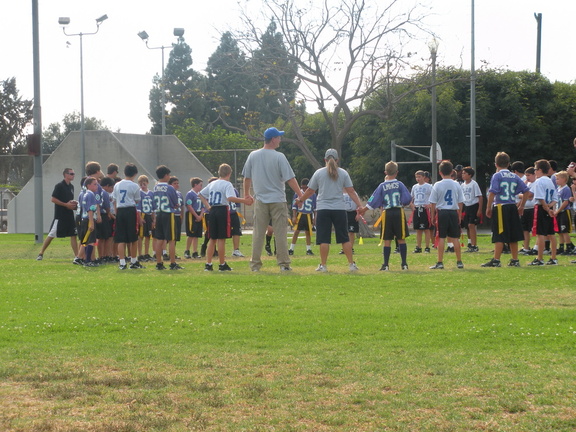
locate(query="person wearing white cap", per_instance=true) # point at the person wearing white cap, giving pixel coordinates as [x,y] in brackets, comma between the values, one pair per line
[330,207]
[266,171]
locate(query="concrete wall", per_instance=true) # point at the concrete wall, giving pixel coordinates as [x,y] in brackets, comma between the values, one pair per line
[146,151]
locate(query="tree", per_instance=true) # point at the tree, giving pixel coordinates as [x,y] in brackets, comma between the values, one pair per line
[15,115]
[210,146]
[231,90]
[521,113]
[184,88]
[344,52]
[55,133]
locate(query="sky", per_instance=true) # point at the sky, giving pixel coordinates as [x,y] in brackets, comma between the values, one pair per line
[118,68]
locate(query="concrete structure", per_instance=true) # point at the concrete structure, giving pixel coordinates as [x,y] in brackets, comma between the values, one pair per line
[146,151]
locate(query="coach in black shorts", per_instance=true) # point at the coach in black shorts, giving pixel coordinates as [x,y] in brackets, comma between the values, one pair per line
[64,224]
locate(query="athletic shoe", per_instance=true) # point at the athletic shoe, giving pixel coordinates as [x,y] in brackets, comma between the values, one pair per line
[321,268]
[268,250]
[174,266]
[450,249]
[166,257]
[187,254]
[397,250]
[90,264]
[122,266]
[136,265]
[437,266]
[417,250]
[237,253]
[492,263]
[285,268]
[384,268]
[546,252]
[160,266]
[536,262]
[404,266]
[208,267]
[472,249]
[309,252]
[353,267]
[341,252]
[224,267]
[514,263]
[148,258]
[459,264]
[290,252]
[552,262]
[78,261]
[524,251]
[39,257]
[427,250]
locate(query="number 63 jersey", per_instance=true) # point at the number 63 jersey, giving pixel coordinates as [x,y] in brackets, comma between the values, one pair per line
[446,194]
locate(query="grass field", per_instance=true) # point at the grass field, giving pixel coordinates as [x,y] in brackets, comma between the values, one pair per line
[98,349]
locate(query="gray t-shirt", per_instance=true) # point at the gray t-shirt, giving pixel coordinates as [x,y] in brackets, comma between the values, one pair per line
[329,191]
[269,171]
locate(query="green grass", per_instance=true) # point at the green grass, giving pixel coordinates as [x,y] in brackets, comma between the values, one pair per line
[453,350]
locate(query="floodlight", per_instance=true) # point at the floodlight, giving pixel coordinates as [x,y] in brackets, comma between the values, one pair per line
[63,21]
[179,32]
[143,35]
[101,19]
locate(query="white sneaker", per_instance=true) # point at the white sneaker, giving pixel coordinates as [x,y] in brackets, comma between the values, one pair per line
[353,267]
[321,268]
[237,253]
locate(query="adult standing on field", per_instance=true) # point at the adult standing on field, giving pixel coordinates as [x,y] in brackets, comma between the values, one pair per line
[64,224]
[266,171]
[329,182]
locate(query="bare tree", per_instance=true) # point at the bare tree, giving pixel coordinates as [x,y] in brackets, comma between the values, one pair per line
[345,51]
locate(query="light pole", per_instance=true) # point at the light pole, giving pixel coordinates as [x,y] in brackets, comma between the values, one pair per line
[64,21]
[178,32]
[538,17]
[433,45]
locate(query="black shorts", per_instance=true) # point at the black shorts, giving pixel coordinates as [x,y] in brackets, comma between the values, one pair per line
[126,231]
[448,224]
[324,221]
[421,218]
[304,222]
[193,227]
[219,222]
[86,237]
[470,215]
[527,219]
[394,224]
[353,225]
[235,228]
[146,225]
[165,226]
[64,228]
[103,229]
[178,227]
[506,225]
[544,223]
[564,222]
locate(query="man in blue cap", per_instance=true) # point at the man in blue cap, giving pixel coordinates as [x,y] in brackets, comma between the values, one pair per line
[266,171]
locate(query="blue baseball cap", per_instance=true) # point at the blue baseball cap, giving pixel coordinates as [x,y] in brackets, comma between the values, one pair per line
[272,133]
